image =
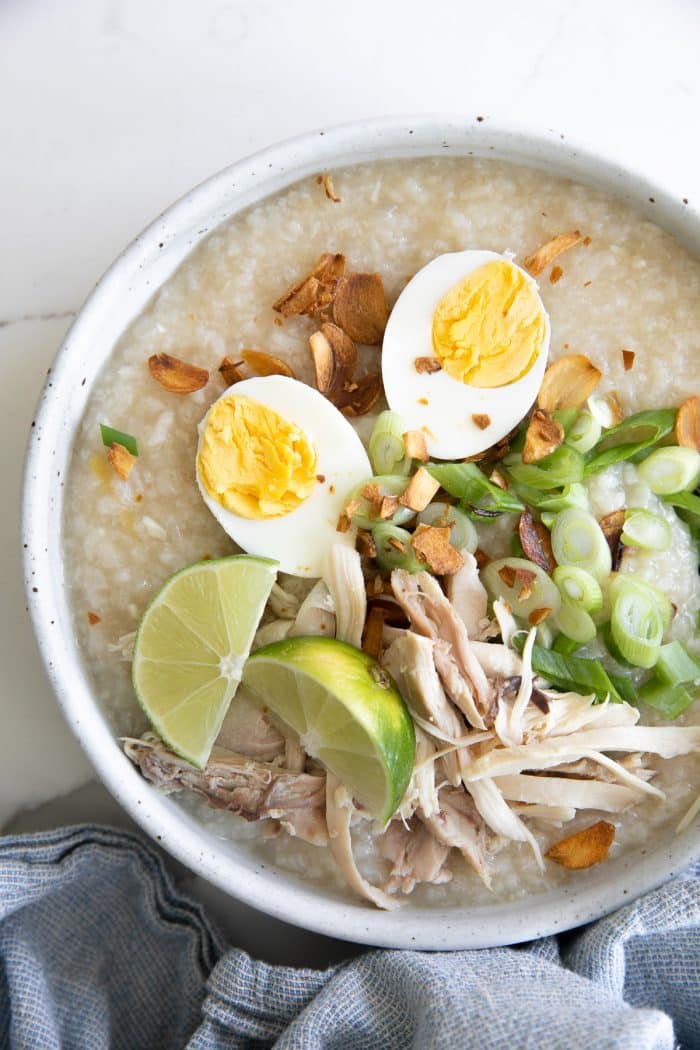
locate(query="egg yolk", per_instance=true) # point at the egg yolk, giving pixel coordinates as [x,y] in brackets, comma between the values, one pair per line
[256,463]
[490,327]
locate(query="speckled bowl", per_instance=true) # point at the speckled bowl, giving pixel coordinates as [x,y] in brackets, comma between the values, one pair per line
[118,298]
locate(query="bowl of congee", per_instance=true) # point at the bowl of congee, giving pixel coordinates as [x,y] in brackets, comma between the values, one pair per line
[361,527]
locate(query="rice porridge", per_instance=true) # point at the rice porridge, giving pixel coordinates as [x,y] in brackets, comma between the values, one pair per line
[623,285]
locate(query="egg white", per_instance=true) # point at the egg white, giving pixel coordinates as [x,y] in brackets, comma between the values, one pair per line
[300,540]
[446,419]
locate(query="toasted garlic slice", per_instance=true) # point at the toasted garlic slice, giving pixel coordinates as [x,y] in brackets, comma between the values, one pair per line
[175,375]
[543,436]
[540,260]
[360,307]
[121,460]
[568,383]
[267,364]
[585,848]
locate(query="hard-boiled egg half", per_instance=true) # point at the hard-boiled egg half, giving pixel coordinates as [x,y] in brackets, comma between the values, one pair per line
[476,319]
[275,462]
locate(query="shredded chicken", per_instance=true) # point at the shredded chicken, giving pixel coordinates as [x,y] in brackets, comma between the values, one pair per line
[409,661]
[316,614]
[246,730]
[567,791]
[459,824]
[254,790]
[505,619]
[498,661]
[273,631]
[283,604]
[344,579]
[421,791]
[468,596]
[339,809]
[509,720]
[416,856]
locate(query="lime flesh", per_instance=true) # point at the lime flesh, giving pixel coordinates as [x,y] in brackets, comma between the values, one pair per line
[346,711]
[191,646]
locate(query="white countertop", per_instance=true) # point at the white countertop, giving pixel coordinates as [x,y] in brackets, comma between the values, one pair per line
[111,109]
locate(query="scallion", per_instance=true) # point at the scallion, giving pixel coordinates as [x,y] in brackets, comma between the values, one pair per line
[669,700]
[676,666]
[632,436]
[480,498]
[361,507]
[524,586]
[566,416]
[394,550]
[578,587]
[110,437]
[636,627]
[565,646]
[573,495]
[646,530]
[462,531]
[577,539]
[387,450]
[562,467]
[585,433]
[572,673]
[547,517]
[686,501]
[575,622]
[627,581]
[672,469]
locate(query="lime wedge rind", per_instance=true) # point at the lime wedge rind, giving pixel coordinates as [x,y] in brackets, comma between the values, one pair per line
[369,744]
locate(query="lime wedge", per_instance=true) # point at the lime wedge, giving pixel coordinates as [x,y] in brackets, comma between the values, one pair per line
[346,711]
[191,646]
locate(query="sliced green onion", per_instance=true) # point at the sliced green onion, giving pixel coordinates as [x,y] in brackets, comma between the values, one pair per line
[637,628]
[686,501]
[633,435]
[627,581]
[604,409]
[578,587]
[585,433]
[668,700]
[566,416]
[565,646]
[571,673]
[562,467]
[606,634]
[672,469]
[573,495]
[647,530]
[577,539]
[462,531]
[480,498]
[394,550]
[110,437]
[516,547]
[576,623]
[624,686]
[526,576]
[387,450]
[676,666]
[389,485]
[547,518]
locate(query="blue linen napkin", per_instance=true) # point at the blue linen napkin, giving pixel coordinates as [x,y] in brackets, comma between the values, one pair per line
[99,949]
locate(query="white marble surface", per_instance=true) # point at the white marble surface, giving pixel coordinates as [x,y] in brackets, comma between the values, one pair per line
[113,108]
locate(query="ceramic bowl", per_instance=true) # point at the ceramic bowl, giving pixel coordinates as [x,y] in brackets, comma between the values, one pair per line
[118,298]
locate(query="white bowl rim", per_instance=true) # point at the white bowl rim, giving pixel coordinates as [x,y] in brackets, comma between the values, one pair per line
[271,890]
